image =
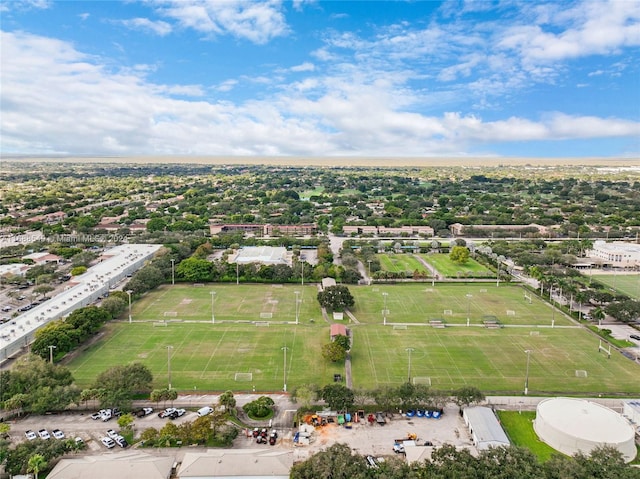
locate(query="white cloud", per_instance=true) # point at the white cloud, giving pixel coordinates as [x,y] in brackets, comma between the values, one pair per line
[157,27]
[58,100]
[257,22]
[588,28]
[304,67]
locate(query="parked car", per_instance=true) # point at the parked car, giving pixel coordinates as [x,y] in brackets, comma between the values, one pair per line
[58,434]
[635,336]
[121,441]
[96,415]
[166,412]
[112,434]
[177,413]
[145,411]
[108,442]
[203,411]
[79,441]
[30,435]
[44,434]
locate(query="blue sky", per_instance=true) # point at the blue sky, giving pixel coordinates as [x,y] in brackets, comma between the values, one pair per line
[314,78]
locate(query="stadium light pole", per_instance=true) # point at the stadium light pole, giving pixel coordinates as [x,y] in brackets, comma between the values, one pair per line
[297,306]
[51,348]
[384,310]
[302,279]
[469,296]
[173,271]
[284,370]
[526,377]
[369,264]
[213,318]
[409,350]
[129,293]
[169,348]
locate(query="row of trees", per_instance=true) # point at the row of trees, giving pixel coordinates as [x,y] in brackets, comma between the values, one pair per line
[387,399]
[36,386]
[449,462]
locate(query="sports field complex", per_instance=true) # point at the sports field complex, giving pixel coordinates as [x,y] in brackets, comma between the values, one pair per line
[215,337]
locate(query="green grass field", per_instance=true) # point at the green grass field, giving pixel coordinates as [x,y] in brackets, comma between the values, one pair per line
[449,269]
[207,356]
[401,263]
[519,428]
[420,302]
[628,284]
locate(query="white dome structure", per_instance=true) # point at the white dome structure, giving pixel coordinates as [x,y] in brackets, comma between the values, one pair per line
[575,425]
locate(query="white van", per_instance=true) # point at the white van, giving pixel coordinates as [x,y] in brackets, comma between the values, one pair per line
[203,411]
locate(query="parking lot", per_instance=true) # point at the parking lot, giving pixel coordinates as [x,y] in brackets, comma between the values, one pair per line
[363,438]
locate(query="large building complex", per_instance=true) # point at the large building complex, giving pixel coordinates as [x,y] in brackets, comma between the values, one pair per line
[617,254]
[114,265]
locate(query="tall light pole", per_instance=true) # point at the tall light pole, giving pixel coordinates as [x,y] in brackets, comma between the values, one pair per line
[284,370]
[409,350]
[526,377]
[302,265]
[469,296]
[129,293]
[297,306]
[51,348]
[169,348]
[213,318]
[384,309]
[173,271]
[369,264]
[498,275]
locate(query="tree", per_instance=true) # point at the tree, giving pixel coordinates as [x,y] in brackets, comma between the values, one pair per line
[467,395]
[36,464]
[333,352]
[336,462]
[305,395]
[343,341]
[337,396]
[259,408]
[194,270]
[459,254]
[126,421]
[336,298]
[120,383]
[227,400]
[625,311]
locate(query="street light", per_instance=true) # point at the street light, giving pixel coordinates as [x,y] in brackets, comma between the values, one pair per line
[384,310]
[169,348]
[173,271]
[284,370]
[51,348]
[469,296]
[213,318]
[297,306]
[409,350]
[526,377]
[369,263]
[302,265]
[129,293]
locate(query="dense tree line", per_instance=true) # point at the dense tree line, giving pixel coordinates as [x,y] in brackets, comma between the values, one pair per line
[448,462]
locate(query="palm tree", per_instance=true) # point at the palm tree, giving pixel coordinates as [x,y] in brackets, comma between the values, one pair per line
[36,464]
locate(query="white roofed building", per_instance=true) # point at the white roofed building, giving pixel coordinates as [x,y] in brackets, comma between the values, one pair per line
[262,255]
[617,254]
[484,427]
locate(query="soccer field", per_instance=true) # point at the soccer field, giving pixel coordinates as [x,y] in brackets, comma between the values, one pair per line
[628,284]
[207,357]
[452,303]
[448,268]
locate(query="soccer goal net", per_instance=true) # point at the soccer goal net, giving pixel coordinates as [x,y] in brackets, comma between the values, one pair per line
[422,380]
[245,377]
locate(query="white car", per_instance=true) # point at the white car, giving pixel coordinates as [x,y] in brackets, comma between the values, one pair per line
[112,434]
[58,434]
[44,434]
[108,442]
[203,411]
[30,435]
